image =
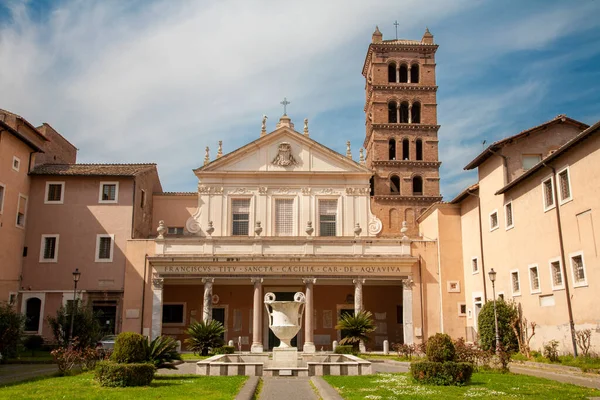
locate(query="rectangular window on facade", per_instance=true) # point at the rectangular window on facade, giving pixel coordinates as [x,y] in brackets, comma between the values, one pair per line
[556,274]
[508,213]
[2,191]
[534,279]
[49,248]
[175,230]
[173,314]
[16,164]
[578,268]
[494,220]
[109,192]
[284,217]
[515,283]
[529,160]
[327,217]
[548,191]
[21,211]
[240,217]
[462,309]
[104,248]
[54,192]
[475,265]
[142,198]
[564,185]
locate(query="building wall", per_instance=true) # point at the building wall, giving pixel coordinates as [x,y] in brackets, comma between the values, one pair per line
[174,210]
[57,150]
[145,185]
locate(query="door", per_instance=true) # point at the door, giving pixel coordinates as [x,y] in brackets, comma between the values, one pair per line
[219,315]
[274,340]
[106,314]
[477,305]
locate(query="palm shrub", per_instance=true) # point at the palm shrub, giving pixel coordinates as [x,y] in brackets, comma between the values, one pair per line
[356,328]
[507,312]
[205,336]
[12,324]
[162,351]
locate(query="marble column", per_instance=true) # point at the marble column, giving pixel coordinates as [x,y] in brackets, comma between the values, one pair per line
[397,74]
[397,114]
[309,344]
[157,306]
[358,305]
[408,75]
[257,345]
[208,294]
[407,312]
[410,113]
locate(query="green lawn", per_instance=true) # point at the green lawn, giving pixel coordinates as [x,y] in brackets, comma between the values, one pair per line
[391,356]
[192,357]
[483,385]
[163,387]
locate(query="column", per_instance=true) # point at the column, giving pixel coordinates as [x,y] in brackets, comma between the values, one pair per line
[397,115]
[309,344]
[208,293]
[408,74]
[358,305]
[407,312]
[410,113]
[157,305]
[257,345]
[397,74]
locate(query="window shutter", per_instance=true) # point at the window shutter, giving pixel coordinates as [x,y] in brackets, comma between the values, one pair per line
[284,217]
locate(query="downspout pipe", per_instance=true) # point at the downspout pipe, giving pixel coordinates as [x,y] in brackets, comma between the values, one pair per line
[562,256]
[422,308]
[144,293]
[481,245]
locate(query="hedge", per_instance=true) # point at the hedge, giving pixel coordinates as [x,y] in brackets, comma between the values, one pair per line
[223,350]
[441,374]
[440,348]
[112,374]
[345,350]
[130,347]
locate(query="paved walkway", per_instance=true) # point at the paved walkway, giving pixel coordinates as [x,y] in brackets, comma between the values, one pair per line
[576,378]
[288,388]
[11,373]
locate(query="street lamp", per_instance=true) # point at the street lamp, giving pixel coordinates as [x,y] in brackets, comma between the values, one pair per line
[76,276]
[492,275]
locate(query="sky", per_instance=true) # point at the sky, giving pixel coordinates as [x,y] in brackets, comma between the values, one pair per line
[158,81]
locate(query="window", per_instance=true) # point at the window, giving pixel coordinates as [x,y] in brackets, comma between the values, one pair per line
[534,279]
[403,73]
[392,113]
[104,248]
[327,217]
[49,248]
[529,160]
[419,146]
[508,215]
[414,73]
[240,217]
[453,286]
[404,112]
[21,211]
[405,149]
[475,265]
[515,283]
[556,274]
[33,308]
[501,295]
[109,192]
[2,191]
[142,198]
[494,220]
[395,184]
[173,313]
[578,269]
[16,164]
[417,184]
[415,113]
[284,217]
[564,186]
[392,149]
[462,309]
[548,192]
[175,230]
[392,72]
[55,192]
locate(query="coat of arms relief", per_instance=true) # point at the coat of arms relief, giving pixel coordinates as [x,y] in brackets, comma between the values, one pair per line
[284,157]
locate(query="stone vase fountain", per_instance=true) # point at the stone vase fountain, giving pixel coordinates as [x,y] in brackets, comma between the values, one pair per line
[285,320]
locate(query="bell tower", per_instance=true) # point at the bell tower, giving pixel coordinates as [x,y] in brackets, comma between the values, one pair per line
[401,129]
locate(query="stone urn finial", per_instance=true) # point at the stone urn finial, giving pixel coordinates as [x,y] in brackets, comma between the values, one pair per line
[257,228]
[220,150]
[357,229]
[210,228]
[309,228]
[305,126]
[206,156]
[362,156]
[161,229]
[348,151]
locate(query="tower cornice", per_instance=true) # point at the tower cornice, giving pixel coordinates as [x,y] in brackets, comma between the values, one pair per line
[397,46]
[407,163]
[408,199]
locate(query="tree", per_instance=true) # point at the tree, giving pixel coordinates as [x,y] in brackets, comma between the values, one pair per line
[205,336]
[86,327]
[507,313]
[11,329]
[356,327]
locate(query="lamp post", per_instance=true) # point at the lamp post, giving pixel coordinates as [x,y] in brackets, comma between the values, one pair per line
[76,276]
[492,275]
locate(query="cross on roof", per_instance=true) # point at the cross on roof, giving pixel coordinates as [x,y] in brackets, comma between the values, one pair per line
[396,24]
[285,102]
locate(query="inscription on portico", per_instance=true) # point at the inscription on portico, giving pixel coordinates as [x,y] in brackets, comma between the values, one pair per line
[282,270]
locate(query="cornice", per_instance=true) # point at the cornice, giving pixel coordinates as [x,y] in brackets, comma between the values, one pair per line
[397,126]
[407,163]
[411,199]
[404,87]
[384,47]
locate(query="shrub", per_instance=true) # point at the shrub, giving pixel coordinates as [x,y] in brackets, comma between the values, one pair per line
[465,352]
[507,312]
[442,374]
[223,350]
[130,347]
[113,374]
[66,358]
[11,330]
[90,356]
[356,328]
[162,351]
[440,348]
[345,350]
[405,350]
[551,350]
[33,342]
[584,341]
[205,336]
[86,327]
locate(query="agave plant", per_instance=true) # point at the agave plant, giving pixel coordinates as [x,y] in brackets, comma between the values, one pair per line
[162,351]
[205,336]
[356,328]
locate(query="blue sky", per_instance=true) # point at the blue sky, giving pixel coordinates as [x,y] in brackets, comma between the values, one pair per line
[157,81]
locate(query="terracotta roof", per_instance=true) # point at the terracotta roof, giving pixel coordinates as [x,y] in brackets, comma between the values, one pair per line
[9,129]
[561,150]
[29,124]
[464,194]
[489,151]
[175,193]
[92,169]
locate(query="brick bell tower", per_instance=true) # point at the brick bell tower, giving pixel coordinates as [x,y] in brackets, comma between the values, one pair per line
[401,129]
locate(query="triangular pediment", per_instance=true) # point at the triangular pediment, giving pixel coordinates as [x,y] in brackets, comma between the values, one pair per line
[284,150]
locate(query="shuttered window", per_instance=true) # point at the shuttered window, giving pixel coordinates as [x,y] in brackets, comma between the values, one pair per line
[49,248]
[284,217]
[564,185]
[240,216]
[327,217]
[104,248]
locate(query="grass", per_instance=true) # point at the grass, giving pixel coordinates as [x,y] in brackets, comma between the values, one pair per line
[393,356]
[483,385]
[585,363]
[192,357]
[83,386]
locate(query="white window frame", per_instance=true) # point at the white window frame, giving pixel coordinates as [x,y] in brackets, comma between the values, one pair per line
[11,296]
[476,259]
[21,195]
[43,248]
[512,213]
[250,215]
[112,248]
[568,199]
[512,287]
[175,303]
[18,160]
[294,214]
[500,293]
[338,215]
[116,200]
[460,304]
[62,192]
[575,283]
[493,228]
[562,271]
[548,208]
[3,198]
[531,288]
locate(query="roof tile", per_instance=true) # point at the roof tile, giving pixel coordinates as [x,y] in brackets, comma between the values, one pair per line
[92,169]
